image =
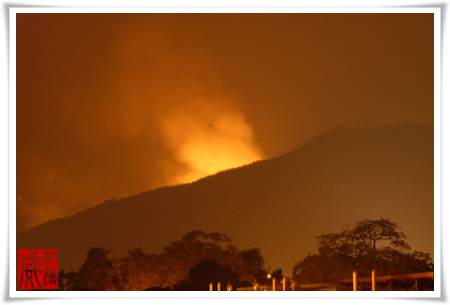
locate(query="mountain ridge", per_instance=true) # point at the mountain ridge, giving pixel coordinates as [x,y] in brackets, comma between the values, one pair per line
[278,204]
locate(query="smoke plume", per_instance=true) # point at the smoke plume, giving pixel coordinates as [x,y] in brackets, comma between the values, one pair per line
[124,107]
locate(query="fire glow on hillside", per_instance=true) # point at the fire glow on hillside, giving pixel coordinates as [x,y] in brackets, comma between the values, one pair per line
[207,148]
[141,101]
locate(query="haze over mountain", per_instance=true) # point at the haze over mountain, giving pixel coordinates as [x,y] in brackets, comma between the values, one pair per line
[279,204]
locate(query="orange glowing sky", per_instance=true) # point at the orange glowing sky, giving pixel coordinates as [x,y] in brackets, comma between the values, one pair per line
[110,105]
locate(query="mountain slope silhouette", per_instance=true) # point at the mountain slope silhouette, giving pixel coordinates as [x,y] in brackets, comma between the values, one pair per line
[279,204]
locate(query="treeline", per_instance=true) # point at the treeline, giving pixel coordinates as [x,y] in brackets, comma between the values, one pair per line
[188,264]
[200,258]
[357,248]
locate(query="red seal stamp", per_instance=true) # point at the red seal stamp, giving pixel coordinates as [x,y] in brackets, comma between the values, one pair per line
[37,268]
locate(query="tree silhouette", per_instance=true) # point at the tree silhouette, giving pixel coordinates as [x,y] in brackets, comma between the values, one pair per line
[277,274]
[137,271]
[254,264]
[97,272]
[67,281]
[357,248]
[168,270]
[362,238]
[210,271]
[180,256]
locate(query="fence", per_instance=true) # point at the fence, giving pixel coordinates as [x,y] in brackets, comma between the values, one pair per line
[412,282]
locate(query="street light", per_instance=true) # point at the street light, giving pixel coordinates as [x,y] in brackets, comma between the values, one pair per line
[269,276]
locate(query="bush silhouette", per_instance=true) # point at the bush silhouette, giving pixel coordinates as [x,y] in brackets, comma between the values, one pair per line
[210,271]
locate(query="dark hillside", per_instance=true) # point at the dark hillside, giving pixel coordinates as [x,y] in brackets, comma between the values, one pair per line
[279,204]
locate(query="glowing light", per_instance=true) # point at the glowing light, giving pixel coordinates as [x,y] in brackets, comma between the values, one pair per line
[209,145]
